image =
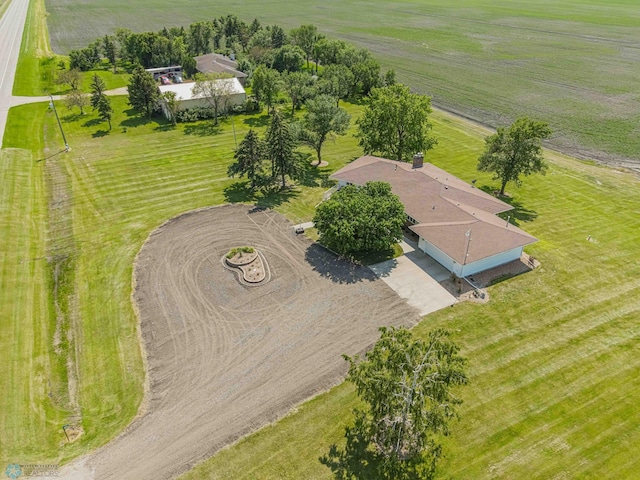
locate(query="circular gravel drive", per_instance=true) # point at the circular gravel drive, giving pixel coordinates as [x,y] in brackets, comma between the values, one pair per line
[225,359]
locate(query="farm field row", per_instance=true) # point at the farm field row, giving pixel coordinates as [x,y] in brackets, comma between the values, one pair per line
[570,63]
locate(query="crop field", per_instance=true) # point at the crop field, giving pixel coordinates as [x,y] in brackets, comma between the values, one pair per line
[571,63]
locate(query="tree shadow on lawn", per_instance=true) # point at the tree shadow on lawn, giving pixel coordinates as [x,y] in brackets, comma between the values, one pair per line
[358,461]
[73,117]
[337,269]
[100,133]
[261,121]
[312,175]
[241,192]
[519,214]
[92,123]
[202,129]
[136,119]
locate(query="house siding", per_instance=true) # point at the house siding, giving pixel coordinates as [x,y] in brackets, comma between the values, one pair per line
[470,268]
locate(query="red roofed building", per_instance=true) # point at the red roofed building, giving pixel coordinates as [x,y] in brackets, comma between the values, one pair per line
[456,223]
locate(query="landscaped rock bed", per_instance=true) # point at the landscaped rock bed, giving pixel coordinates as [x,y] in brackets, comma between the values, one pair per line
[249,264]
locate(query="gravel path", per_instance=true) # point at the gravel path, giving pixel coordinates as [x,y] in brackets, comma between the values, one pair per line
[225,359]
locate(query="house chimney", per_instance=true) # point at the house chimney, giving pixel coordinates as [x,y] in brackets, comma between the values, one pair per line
[418,160]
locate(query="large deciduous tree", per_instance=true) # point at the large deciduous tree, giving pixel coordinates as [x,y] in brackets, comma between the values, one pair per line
[299,86]
[143,91]
[249,157]
[322,120]
[216,90]
[395,123]
[336,81]
[110,51]
[360,219]
[265,84]
[406,384]
[305,36]
[515,151]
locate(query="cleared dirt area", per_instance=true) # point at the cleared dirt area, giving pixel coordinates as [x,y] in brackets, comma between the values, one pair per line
[225,359]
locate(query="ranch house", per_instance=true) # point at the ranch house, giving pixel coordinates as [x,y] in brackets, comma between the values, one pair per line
[455,222]
[187,100]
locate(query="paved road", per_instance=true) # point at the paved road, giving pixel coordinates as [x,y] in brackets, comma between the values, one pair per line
[11,28]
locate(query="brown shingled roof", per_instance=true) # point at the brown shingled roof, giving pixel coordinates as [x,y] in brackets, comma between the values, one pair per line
[445,207]
[215,62]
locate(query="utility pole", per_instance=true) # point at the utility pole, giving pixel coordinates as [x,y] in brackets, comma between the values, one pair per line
[64,138]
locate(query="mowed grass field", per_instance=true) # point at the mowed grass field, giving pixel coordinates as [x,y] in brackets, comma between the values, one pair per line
[554,364]
[571,63]
[72,224]
[553,357]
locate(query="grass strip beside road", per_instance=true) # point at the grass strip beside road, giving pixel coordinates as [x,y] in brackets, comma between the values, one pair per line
[29,371]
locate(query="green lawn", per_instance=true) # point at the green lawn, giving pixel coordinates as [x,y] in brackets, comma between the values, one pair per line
[553,358]
[571,63]
[554,375]
[105,197]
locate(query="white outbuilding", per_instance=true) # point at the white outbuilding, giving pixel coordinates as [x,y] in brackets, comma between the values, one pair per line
[187,100]
[456,223]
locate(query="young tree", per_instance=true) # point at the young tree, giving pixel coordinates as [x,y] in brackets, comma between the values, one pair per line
[406,384]
[71,77]
[323,120]
[305,37]
[109,50]
[360,219]
[299,87]
[395,123]
[75,98]
[104,109]
[515,151]
[265,83]
[249,159]
[143,91]
[171,100]
[215,89]
[280,148]
[97,90]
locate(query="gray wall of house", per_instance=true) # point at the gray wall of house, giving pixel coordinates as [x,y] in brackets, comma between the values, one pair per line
[470,268]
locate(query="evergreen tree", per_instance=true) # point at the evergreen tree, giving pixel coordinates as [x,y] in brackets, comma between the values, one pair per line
[143,91]
[249,159]
[104,109]
[97,90]
[280,147]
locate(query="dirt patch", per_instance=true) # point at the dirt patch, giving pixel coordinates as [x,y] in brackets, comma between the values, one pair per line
[225,359]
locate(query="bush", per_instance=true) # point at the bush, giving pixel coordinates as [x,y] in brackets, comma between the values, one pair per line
[232,253]
[194,115]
